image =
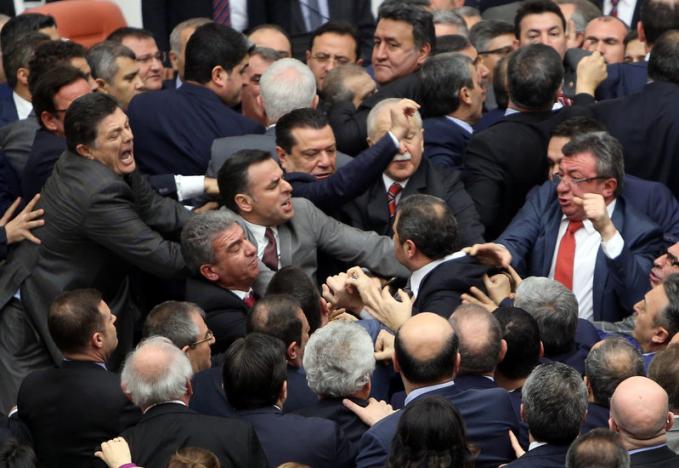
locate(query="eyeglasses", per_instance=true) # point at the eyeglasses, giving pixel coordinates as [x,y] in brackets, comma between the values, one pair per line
[503,51]
[674,261]
[325,58]
[577,181]
[160,56]
[208,337]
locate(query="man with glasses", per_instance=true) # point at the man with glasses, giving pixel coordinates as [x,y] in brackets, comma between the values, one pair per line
[585,235]
[332,45]
[148,57]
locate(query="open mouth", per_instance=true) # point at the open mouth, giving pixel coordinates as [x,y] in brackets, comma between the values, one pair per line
[287,205]
[127,157]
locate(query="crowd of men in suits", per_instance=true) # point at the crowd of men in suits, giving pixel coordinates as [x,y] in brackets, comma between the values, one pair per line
[440,239]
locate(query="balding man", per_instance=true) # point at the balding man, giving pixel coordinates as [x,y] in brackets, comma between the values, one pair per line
[426,355]
[640,414]
[606,34]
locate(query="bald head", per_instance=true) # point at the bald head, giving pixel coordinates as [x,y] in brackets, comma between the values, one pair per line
[640,411]
[480,338]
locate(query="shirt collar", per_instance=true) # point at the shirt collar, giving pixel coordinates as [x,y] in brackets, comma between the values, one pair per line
[388,181]
[461,123]
[646,449]
[23,106]
[241,294]
[179,402]
[535,444]
[422,390]
[259,231]
[418,275]
[587,224]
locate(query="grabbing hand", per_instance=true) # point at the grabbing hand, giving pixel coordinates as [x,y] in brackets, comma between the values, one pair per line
[591,72]
[20,227]
[384,346]
[371,414]
[490,254]
[114,452]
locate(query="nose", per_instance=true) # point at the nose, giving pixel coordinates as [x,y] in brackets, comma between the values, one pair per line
[127,135]
[637,307]
[660,261]
[156,63]
[138,83]
[324,159]
[379,52]
[483,71]
[285,186]
[250,248]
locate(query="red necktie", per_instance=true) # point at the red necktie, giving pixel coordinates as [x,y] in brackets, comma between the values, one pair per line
[563,272]
[221,12]
[250,299]
[392,193]
[270,257]
[614,8]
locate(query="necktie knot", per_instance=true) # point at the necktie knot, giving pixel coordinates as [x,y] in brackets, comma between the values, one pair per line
[574,226]
[394,190]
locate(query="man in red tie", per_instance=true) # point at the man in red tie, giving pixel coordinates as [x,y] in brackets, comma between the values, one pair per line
[583,233]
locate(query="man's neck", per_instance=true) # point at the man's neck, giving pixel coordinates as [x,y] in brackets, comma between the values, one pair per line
[518,108]
[89,356]
[464,114]
[508,384]
[630,443]
[410,386]
[22,91]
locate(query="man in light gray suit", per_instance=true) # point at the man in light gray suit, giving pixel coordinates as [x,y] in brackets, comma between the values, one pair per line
[288,231]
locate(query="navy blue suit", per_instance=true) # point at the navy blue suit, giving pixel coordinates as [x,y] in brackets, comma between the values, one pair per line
[472,381]
[618,283]
[597,416]
[8,110]
[445,142]
[545,456]
[490,118]
[174,129]
[488,415]
[657,202]
[623,79]
[333,409]
[294,438]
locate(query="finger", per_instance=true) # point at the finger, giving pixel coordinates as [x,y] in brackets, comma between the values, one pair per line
[31,204]
[470,300]
[99,454]
[353,407]
[487,281]
[32,238]
[34,224]
[403,296]
[578,201]
[34,214]
[384,355]
[516,445]
[10,211]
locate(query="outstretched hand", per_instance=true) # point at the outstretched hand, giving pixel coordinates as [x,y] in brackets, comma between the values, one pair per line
[20,227]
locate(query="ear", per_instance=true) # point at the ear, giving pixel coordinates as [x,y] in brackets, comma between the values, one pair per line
[173,59]
[84,151]
[314,102]
[125,392]
[642,33]
[208,273]
[48,120]
[219,76]
[102,86]
[424,53]
[244,202]
[612,425]
[465,95]
[394,361]
[541,353]
[588,384]
[503,350]
[458,360]
[282,157]
[307,56]
[660,336]
[189,389]
[516,43]
[22,76]
[410,248]
[670,421]
[325,312]
[609,187]
[97,340]
[283,395]
[369,141]
[291,352]
[522,412]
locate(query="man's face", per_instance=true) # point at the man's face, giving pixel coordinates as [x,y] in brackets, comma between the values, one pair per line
[233,83]
[273,40]
[665,265]
[81,64]
[330,50]
[399,253]
[313,153]
[113,145]
[62,101]
[126,83]
[200,353]
[543,28]
[305,337]
[608,38]
[555,155]
[409,156]
[477,93]
[635,51]
[181,58]
[646,313]
[497,48]
[235,259]
[579,166]
[149,59]
[109,332]
[251,89]
[394,52]
[269,195]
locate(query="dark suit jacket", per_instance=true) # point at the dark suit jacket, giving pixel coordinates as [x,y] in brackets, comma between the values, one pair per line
[174,129]
[440,290]
[294,438]
[97,226]
[225,313]
[9,184]
[71,410]
[471,381]
[597,416]
[655,200]
[8,110]
[445,142]
[545,456]
[574,357]
[47,147]
[369,210]
[661,457]
[488,415]
[168,427]
[333,409]
[650,142]
[618,283]
[623,79]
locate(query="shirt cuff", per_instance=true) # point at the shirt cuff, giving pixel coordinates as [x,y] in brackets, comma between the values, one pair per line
[613,247]
[189,186]
[394,139]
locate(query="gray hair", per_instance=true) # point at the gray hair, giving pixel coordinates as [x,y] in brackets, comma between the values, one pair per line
[266,53]
[467,11]
[609,364]
[477,357]
[176,34]
[555,309]
[607,151]
[334,89]
[452,18]
[173,320]
[598,447]
[383,106]
[198,234]
[286,85]
[338,359]
[554,401]
[165,380]
[585,11]
[485,31]
[102,59]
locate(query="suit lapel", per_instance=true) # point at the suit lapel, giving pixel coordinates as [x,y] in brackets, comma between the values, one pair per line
[601,268]
[285,239]
[296,17]
[550,239]
[377,211]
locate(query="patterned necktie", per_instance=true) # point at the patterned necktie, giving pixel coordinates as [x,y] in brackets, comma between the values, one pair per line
[270,257]
[392,193]
[221,12]
[563,271]
[614,8]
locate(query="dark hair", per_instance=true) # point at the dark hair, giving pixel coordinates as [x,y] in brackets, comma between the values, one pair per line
[49,85]
[47,55]
[16,455]
[254,370]
[233,175]
[479,354]
[442,77]
[520,331]
[664,62]
[420,19]
[174,321]
[450,43]
[609,364]
[500,83]
[535,73]
[73,317]
[664,369]
[431,434]
[607,151]
[298,118]
[22,25]
[340,28]
[536,7]
[431,370]
[597,448]
[18,54]
[213,45]
[577,126]
[84,116]
[669,317]
[120,34]
[486,30]
[193,457]
[657,17]
[428,222]
[293,281]
[276,315]
[631,36]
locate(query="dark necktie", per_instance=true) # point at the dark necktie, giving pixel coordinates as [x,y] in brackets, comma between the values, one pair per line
[315,18]
[614,8]
[563,271]
[270,257]
[392,193]
[221,12]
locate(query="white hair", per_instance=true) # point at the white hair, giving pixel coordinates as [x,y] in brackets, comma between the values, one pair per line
[383,106]
[286,85]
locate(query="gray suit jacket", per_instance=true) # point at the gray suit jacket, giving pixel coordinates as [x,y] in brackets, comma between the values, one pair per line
[223,148]
[98,225]
[311,229]
[16,141]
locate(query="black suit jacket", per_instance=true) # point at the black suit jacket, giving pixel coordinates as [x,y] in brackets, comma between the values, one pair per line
[71,410]
[225,313]
[168,427]
[47,147]
[597,416]
[545,456]
[333,409]
[661,457]
[369,210]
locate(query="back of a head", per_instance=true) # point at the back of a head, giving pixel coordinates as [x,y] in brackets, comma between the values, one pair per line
[428,222]
[554,399]
[535,73]
[122,33]
[420,19]
[173,320]
[286,85]
[522,334]
[84,116]
[50,53]
[658,17]
[450,43]
[22,25]
[664,370]
[102,59]
[575,126]
[501,83]
[18,54]
[335,88]
[294,281]
[442,78]
[193,457]
[480,339]
[233,175]
[640,411]
[213,45]
[254,371]
[73,317]
[598,448]
[14,454]
[609,364]
[664,62]
[277,315]
[431,434]
[451,18]
[486,30]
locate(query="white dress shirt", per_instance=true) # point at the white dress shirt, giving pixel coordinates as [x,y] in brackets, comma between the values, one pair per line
[239,14]
[23,106]
[625,10]
[418,275]
[462,123]
[387,183]
[259,233]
